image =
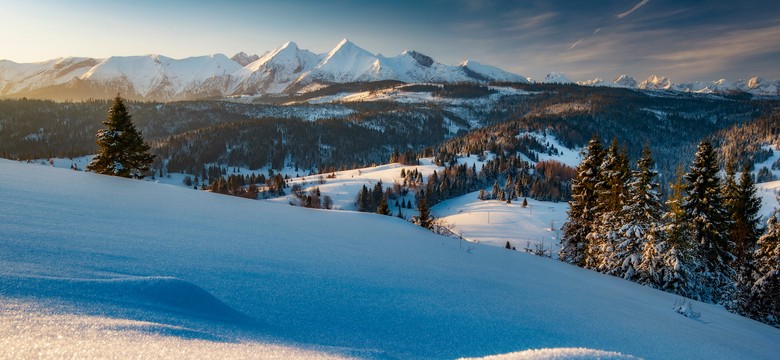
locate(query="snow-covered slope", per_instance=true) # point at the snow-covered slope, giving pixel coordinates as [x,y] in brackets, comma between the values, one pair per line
[158,76]
[490,73]
[274,71]
[15,78]
[109,263]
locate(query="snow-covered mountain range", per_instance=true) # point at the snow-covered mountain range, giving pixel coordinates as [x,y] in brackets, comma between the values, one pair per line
[285,70]
[282,70]
[755,85]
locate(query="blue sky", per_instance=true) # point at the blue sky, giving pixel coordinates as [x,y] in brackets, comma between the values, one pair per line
[686,40]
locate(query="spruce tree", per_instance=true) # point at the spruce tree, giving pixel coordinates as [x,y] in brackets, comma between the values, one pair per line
[640,220]
[743,206]
[424,219]
[709,223]
[583,208]
[673,260]
[611,191]
[123,151]
[383,209]
[759,297]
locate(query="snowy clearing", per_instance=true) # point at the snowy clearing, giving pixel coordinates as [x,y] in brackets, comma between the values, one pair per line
[495,222]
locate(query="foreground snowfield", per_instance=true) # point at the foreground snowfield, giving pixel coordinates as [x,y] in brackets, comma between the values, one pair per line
[129,268]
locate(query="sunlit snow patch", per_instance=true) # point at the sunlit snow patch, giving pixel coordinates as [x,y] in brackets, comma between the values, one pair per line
[559,354]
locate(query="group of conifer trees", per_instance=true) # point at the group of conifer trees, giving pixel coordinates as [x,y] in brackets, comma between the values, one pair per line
[705,244]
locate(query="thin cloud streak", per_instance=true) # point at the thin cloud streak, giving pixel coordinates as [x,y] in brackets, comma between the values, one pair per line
[635,8]
[576,43]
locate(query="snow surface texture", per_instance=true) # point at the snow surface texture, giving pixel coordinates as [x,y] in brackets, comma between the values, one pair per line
[89,257]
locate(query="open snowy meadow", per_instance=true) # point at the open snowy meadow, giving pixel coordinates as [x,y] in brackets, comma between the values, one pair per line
[95,266]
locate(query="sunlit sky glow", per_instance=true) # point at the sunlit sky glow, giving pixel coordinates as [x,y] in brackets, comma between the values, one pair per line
[686,40]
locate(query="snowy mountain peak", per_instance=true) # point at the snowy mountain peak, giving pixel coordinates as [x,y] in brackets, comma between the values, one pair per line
[274,71]
[346,46]
[755,82]
[594,82]
[656,83]
[759,86]
[556,77]
[625,81]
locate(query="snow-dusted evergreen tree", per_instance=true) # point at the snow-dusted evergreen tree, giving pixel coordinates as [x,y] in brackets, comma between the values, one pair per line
[743,205]
[640,221]
[611,192]
[672,264]
[123,151]
[709,224]
[583,205]
[424,217]
[761,298]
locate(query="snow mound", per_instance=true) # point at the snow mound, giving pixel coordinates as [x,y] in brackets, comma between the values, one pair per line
[148,292]
[559,354]
[34,331]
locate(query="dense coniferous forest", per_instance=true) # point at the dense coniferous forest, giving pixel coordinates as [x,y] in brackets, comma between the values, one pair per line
[747,144]
[189,135]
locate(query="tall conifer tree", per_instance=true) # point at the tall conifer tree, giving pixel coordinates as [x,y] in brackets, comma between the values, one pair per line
[709,223]
[583,205]
[743,206]
[674,259]
[123,151]
[611,193]
[640,220]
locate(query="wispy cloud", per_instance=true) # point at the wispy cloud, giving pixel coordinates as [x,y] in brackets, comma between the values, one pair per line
[576,43]
[719,52]
[635,8]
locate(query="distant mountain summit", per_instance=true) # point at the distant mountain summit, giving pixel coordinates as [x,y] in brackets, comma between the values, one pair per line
[556,78]
[625,81]
[285,69]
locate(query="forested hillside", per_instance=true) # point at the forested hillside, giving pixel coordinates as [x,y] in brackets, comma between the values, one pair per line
[328,129]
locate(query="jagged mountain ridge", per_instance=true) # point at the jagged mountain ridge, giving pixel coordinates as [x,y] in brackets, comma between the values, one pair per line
[282,70]
[755,85]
